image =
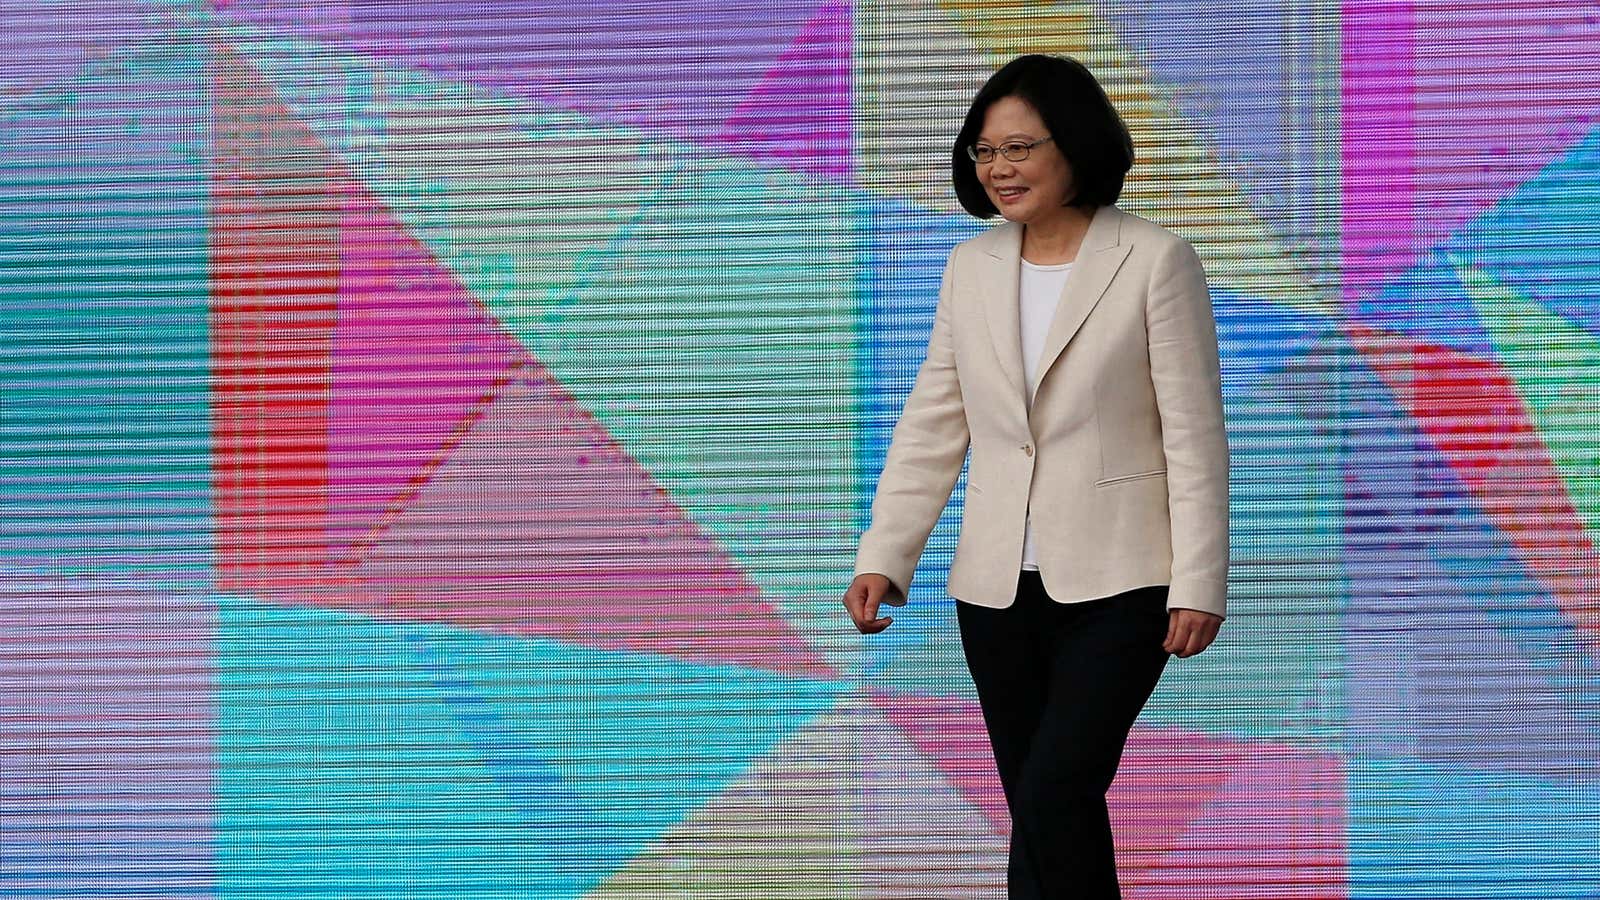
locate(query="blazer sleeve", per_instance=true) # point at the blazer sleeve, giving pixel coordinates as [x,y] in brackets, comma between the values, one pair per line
[924,460]
[1187,374]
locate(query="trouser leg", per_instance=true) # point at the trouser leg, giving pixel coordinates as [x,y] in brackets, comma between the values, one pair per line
[1011,674]
[1061,685]
[1108,659]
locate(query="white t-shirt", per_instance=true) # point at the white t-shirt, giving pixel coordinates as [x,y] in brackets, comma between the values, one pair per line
[1039,295]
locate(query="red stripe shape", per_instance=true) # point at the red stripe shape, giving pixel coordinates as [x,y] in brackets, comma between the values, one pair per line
[1470,409]
[276,201]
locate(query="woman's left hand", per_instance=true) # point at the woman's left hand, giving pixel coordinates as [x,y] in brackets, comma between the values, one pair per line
[1189,631]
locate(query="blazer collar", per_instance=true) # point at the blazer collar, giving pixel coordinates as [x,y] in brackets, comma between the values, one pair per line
[1099,257]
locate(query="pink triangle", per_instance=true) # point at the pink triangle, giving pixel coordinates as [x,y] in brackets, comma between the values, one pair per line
[1167,777]
[540,524]
[1513,105]
[1276,828]
[413,355]
[950,732]
[1378,143]
[1168,780]
[799,115]
[1150,807]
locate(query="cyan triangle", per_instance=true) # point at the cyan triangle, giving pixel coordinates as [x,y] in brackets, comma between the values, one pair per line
[104,328]
[346,767]
[363,758]
[1544,239]
[643,738]
[1424,829]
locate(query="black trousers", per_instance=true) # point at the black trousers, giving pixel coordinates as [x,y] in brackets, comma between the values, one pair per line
[1060,685]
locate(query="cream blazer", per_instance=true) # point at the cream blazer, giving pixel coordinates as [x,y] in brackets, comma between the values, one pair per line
[1118,447]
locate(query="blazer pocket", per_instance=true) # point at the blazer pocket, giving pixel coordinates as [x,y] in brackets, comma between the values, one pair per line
[1118,479]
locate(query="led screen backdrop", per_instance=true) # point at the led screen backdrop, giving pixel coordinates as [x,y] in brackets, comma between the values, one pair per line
[435,437]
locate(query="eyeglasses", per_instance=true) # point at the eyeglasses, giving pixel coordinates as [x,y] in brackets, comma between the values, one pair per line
[1016,151]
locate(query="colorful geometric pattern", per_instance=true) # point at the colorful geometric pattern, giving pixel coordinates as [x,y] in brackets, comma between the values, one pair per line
[435,437]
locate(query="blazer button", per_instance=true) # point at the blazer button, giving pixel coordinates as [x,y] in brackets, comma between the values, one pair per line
[1027,449]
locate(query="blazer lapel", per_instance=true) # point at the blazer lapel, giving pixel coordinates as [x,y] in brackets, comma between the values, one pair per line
[1099,257]
[998,285]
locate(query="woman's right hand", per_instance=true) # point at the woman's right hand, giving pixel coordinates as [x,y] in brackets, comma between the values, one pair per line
[866,592]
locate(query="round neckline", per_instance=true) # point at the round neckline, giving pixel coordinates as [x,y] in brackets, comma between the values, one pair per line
[1054,267]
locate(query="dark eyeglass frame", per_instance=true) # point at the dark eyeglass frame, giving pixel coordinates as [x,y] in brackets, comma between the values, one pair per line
[1015,151]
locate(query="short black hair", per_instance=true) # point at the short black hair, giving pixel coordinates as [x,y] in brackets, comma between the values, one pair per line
[1082,123]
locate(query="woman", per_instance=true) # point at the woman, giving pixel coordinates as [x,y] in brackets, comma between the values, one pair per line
[1074,351]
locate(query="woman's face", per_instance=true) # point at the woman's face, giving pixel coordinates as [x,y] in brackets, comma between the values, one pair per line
[1035,188]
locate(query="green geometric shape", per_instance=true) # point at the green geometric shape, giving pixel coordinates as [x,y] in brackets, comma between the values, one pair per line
[1556,367]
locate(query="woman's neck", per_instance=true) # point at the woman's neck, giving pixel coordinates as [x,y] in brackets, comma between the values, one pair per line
[1055,240]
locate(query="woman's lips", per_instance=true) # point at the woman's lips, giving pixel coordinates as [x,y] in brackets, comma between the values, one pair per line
[1010,195]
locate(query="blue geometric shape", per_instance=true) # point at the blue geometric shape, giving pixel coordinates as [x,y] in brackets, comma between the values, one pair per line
[905,259]
[360,758]
[1544,239]
[1419,829]
[1261,341]
[1229,63]
[1282,388]
[1429,304]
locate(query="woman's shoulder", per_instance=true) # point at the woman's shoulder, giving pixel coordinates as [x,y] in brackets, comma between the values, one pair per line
[1138,228]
